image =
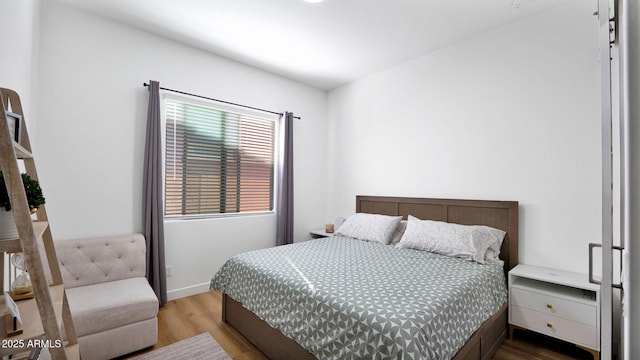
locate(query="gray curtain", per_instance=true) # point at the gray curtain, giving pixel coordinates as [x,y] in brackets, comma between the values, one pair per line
[284,234]
[152,201]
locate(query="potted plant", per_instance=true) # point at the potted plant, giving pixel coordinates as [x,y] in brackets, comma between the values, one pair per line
[34,199]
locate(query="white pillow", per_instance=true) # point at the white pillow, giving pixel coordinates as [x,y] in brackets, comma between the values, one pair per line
[464,241]
[398,232]
[370,227]
[493,252]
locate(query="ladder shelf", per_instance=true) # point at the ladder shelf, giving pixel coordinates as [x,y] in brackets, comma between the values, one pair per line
[47,312]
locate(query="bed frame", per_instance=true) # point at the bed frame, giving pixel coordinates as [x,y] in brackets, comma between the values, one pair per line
[480,346]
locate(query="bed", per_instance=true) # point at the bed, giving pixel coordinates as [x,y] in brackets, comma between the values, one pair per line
[391,322]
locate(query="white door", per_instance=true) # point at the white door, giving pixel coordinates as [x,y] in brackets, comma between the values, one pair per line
[624,192]
[629,30]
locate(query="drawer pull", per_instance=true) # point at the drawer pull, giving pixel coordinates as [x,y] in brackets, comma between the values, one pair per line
[550,325]
[549,306]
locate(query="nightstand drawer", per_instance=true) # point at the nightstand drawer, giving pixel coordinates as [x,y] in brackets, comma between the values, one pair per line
[554,306]
[572,331]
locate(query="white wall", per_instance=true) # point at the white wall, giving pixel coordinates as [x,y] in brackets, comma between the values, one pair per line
[20,26]
[92,120]
[511,114]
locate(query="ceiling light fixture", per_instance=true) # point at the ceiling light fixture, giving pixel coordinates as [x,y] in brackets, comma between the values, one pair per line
[313,1]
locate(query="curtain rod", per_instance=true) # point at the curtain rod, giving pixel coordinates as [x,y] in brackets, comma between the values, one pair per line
[221,101]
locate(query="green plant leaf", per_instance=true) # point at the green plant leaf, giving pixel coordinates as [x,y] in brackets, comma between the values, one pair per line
[31,188]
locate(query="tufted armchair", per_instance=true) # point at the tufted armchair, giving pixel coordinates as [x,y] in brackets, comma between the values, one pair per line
[114,309]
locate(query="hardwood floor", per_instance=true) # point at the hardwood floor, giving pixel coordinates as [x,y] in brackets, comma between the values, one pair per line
[530,345]
[193,315]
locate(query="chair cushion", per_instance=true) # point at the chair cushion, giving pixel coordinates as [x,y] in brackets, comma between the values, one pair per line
[109,305]
[96,260]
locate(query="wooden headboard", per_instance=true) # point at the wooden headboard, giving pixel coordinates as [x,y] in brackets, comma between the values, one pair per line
[501,215]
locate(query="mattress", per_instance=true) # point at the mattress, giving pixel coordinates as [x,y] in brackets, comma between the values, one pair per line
[342,298]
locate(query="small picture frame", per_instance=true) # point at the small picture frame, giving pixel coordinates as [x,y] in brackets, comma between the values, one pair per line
[15,124]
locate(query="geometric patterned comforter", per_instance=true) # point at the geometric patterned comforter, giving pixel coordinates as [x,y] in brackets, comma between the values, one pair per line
[342,298]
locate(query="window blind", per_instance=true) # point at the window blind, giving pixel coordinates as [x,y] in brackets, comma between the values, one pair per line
[217,161]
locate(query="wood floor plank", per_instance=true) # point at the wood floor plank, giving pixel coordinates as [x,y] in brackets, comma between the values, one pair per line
[193,315]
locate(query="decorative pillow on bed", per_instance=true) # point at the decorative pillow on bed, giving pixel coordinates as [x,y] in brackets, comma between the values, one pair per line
[370,227]
[465,241]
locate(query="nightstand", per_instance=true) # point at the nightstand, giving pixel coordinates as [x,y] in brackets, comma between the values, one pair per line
[556,303]
[320,233]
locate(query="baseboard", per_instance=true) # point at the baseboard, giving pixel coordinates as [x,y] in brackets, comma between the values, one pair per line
[187,291]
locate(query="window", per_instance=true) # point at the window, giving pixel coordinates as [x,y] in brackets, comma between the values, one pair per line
[217,161]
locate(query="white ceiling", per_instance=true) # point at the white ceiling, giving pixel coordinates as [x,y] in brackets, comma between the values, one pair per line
[325,44]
